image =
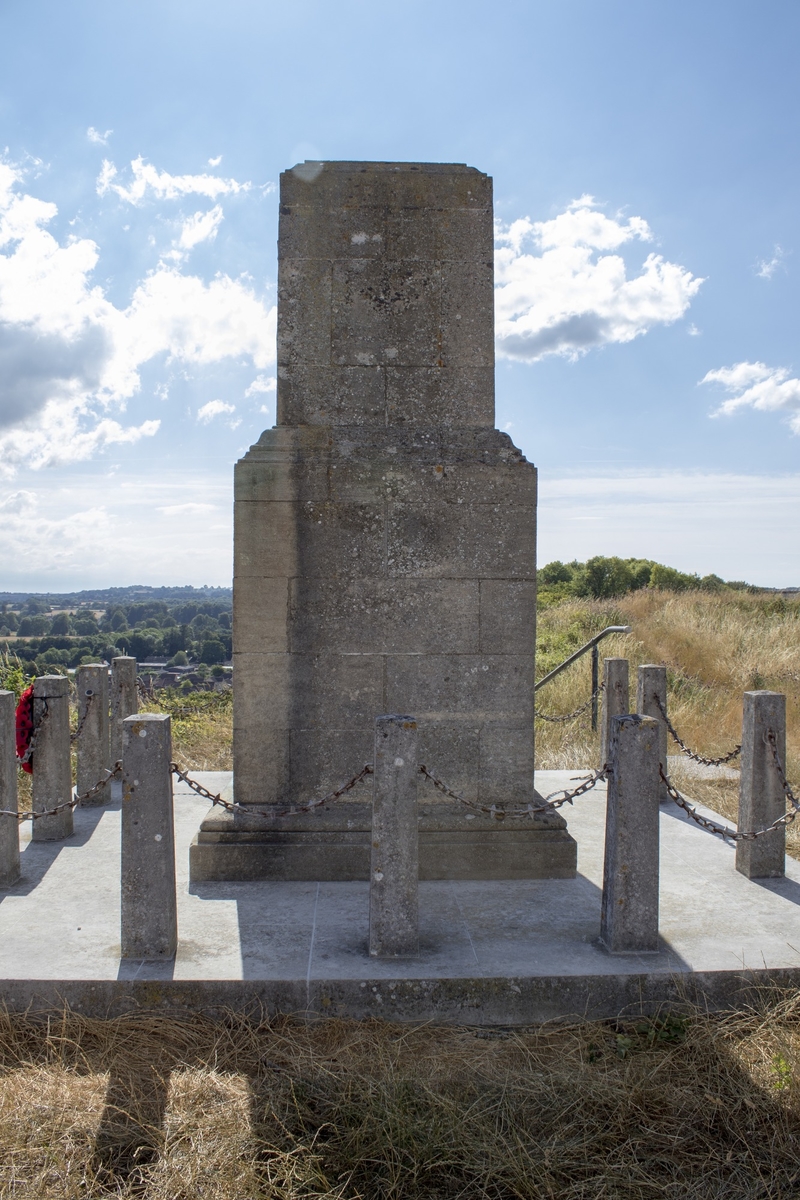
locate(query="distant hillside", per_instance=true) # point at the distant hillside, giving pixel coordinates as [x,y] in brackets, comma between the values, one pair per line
[103,597]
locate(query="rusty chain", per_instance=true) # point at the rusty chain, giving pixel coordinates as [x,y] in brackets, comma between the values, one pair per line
[550,805]
[772,742]
[725,831]
[528,810]
[706,762]
[249,810]
[110,773]
[73,737]
[570,716]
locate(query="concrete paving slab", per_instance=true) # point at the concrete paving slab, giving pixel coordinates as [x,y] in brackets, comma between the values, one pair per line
[490,952]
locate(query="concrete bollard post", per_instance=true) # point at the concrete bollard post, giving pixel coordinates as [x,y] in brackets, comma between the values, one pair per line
[92,743]
[651,685]
[9,825]
[124,700]
[761,796]
[394,873]
[52,771]
[149,899]
[629,913]
[616,700]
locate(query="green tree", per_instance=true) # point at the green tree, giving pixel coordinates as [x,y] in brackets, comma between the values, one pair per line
[607,577]
[212,652]
[60,624]
[554,572]
[667,579]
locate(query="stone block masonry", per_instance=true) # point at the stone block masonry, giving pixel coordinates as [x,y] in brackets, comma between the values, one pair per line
[384,531]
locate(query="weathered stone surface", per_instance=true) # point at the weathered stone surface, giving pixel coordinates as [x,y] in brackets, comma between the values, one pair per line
[52,773]
[124,700]
[384,530]
[394,841]
[616,700]
[629,913]
[651,690]
[9,826]
[149,898]
[761,796]
[91,682]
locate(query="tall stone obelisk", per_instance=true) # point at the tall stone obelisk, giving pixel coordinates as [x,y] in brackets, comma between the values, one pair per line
[384,539]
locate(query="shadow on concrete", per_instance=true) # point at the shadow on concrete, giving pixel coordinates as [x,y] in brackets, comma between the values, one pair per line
[671,809]
[36,858]
[135,968]
[275,923]
[787,889]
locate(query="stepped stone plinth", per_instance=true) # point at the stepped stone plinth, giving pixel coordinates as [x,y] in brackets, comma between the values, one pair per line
[385,541]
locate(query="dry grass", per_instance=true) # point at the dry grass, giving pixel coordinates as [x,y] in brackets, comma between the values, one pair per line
[714,646]
[691,1107]
[202,727]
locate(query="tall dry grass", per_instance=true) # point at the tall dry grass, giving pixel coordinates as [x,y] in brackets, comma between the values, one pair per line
[202,727]
[715,647]
[686,1106]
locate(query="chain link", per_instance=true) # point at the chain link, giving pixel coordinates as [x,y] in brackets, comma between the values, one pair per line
[707,762]
[570,716]
[528,810]
[725,831]
[772,742]
[110,774]
[73,737]
[249,810]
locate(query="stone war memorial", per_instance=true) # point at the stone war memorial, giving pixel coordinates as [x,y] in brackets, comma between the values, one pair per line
[380,848]
[385,542]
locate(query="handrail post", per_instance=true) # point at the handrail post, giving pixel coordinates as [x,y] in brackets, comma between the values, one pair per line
[595,681]
[578,653]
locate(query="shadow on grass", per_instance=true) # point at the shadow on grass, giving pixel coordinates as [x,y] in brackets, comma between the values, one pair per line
[683,1105]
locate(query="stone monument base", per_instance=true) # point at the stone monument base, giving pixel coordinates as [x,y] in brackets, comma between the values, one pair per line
[333,843]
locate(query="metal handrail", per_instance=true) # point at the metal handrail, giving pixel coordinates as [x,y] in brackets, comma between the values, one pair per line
[590,645]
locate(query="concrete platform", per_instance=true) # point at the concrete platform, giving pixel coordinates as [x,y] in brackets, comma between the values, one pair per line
[507,953]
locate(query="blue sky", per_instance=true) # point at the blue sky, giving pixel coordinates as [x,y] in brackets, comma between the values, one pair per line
[646,188]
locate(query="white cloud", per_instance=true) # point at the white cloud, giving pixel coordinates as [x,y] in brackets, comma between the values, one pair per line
[100,139]
[262,383]
[162,185]
[755,385]
[214,162]
[18,502]
[67,540]
[68,355]
[202,227]
[214,408]
[178,510]
[766,268]
[560,291]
